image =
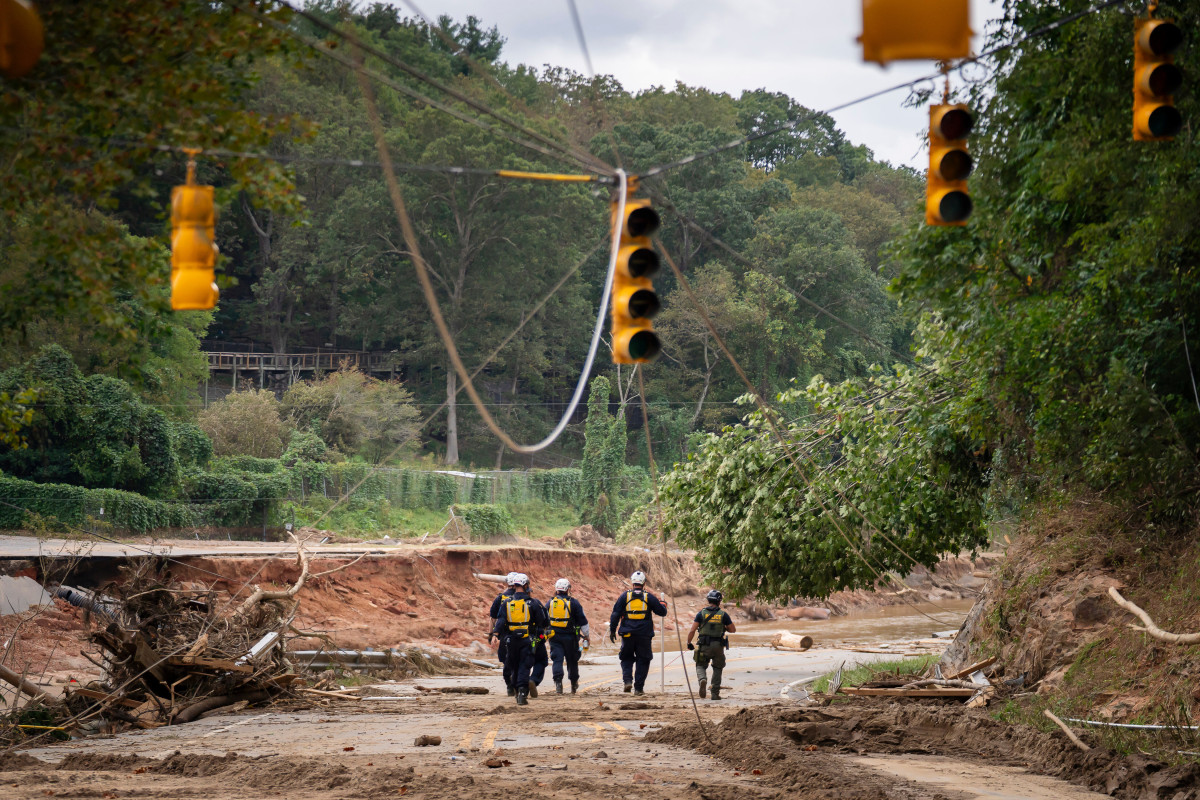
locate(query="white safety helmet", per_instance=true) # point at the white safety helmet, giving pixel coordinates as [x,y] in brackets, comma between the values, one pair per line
[512,578]
[638,578]
[562,585]
[520,579]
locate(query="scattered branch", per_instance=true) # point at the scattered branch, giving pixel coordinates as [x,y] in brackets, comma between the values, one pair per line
[1151,628]
[1075,740]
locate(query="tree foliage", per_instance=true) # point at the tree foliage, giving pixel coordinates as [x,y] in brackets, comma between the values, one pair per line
[246,423]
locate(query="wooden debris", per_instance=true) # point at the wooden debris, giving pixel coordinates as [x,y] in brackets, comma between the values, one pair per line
[962,673]
[1075,740]
[949,692]
[791,641]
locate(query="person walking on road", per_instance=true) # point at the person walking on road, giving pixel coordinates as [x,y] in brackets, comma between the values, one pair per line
[541,657]
[502,651]
[520,619]
[567,624]
[631,619]
[712,624]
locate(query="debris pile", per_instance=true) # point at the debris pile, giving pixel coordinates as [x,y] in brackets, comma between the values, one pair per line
[171,653]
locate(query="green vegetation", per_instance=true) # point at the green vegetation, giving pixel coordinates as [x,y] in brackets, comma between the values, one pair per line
[877,670]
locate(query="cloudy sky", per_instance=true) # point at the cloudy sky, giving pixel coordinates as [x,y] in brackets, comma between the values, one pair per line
[804,48]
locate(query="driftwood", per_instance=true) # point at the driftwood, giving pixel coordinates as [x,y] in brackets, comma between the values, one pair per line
[1150,627]
[791,641]
[260,595]
[20,682]
[209,703]
[1075,740]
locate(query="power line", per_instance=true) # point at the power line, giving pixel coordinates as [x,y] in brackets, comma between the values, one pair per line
[581,157]
[812,115]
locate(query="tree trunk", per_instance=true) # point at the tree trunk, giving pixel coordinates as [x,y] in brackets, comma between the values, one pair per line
[451,416]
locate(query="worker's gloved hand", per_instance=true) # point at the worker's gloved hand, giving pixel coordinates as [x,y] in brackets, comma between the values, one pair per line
[691,646]
[491,636]
[612,637]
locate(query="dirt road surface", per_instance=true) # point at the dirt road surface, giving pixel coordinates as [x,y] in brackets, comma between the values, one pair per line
[598,743]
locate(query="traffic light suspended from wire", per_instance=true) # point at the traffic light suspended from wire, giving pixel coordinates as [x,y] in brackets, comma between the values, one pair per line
[634,302]
[947,201]
[901,30]
[21,38]
[1155,80]
[193,244]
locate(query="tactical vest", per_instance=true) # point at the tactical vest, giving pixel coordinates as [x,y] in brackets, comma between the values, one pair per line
[560,612]
[516,614]
[713,624]
[636,607]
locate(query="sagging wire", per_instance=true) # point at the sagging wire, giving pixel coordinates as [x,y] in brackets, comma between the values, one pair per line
[581,157]
[812,115]
[422,270]
[662,534]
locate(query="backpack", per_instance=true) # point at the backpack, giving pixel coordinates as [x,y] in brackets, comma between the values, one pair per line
[560,612]
[636,607]
[516,614]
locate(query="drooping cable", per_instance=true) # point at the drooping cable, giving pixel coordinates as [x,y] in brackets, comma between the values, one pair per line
[580,156]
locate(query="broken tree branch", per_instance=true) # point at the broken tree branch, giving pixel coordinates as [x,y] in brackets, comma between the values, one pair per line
[1075,740]
[1151,628]
[259,594]
[20,682]
[342,567]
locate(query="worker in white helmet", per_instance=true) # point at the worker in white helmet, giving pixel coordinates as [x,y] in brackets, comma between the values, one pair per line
[502,651]
[567,624]
[631,619]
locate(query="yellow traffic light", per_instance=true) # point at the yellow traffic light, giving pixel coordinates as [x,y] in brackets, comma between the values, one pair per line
[21,38]
[1155,79]
[897,30]
[193,250]
[946,199]
[634,302]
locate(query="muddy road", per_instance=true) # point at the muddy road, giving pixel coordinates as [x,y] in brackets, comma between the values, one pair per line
[598,743]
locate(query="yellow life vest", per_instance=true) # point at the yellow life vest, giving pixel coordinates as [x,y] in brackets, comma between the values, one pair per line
[635,607]
[560,612]
[516,614]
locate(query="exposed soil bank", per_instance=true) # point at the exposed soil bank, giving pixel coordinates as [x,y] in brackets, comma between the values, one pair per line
[788,739]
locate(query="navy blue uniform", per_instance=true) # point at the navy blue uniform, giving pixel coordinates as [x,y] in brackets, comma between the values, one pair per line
[564,639]
[520,643]
[632,610]
[502,650]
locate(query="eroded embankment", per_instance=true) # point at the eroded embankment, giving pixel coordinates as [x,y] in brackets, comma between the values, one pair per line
[431,595]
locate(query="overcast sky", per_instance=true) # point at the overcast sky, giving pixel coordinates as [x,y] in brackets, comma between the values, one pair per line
[803,48]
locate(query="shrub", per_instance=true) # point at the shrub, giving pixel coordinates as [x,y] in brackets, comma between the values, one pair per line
[246,424]
[486,519]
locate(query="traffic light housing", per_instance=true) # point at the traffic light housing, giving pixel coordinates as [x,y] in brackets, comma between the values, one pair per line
[21,38]
[634,302]
[947,201]
[1155,80]
[897,30]
[193,249]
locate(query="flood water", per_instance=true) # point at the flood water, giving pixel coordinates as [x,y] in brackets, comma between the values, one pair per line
[870,626]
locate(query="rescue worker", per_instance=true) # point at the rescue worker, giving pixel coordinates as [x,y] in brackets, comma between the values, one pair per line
[541,658]
[567,624]
[712,624]
[502,651]
[631,618]
[520,619]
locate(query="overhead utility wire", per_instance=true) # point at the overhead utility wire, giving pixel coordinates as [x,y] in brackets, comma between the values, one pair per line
[811,115]
[435,311]
[324,49]
[219,152]
[582,157]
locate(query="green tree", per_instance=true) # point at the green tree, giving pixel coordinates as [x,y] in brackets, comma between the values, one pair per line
[247,423]
[603,461]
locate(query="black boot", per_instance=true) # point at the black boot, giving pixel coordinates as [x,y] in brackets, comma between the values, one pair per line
[558,686]
[638,693]
[512,691]
[703,688]
[716,693]
[533,690]
[521,698]
[629,687]
[574,686]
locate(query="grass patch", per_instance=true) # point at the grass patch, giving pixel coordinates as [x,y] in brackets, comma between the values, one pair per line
[538,520]
[877,670]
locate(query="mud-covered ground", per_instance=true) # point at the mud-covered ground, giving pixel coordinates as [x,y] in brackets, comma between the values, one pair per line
[599,743]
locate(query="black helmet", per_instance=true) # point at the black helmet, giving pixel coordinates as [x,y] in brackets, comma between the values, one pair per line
[714,596]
